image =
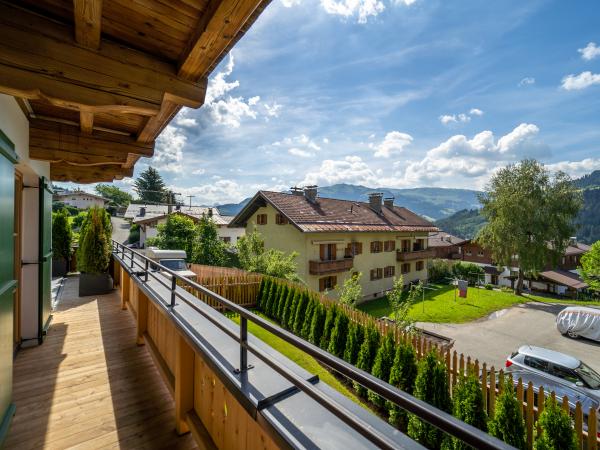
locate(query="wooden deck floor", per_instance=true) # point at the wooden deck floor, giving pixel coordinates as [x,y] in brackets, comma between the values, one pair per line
[89,385]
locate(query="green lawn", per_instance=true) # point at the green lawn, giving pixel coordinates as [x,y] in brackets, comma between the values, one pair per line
[305,361]
[441,306]
[544,299]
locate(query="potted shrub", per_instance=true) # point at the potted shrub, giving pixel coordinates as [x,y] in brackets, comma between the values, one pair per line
[93,256]
[61,243]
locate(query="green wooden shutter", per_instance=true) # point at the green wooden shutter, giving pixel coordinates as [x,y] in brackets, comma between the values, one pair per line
[7,282]
[45,257]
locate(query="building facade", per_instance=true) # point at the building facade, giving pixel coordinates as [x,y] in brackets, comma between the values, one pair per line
[80,199]
[335,239]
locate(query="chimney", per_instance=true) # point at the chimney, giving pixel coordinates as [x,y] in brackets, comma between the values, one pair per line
[375,201]
[573,241]
[310,192]
[142,211]
[388,202]
[297,191]
[210,212]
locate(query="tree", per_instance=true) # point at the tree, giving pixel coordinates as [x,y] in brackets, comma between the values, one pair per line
[557,432]
[177,233]
[337,341]
[114,195]
[278,305]
[61,235]
[356,335]
[366,354]
[93,255]
[431,386]
[310,309]
[467,405]
[150,186]
[253,257]
[287,306]
[290,316]
[351,291]
[402,375]
[316,326]
[530,216]
[332,312]
[590,267]
[400,304]
[264,282]
[209,249]
[507,423]
[299,314]
[382,365]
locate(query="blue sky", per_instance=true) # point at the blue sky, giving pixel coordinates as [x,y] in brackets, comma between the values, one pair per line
[400,93]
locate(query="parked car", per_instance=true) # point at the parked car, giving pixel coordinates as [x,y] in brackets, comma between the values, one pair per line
[576,321]
[559,373]
[171,259]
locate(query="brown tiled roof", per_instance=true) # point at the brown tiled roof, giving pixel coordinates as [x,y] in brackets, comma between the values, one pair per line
[333,215]
[565,278]
[442,239]
[577,249]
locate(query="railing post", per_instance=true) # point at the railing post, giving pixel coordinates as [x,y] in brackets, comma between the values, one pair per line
[131,263]
[173,287]
[146,271]
[243,341]
[184,384]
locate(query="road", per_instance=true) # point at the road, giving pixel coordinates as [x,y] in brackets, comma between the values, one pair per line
[494,338]
[120,231]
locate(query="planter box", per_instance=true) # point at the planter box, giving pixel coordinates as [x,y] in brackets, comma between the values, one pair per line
[95,284]
[59,267]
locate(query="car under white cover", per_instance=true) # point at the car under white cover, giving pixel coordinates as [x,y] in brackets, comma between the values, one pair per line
[579,321]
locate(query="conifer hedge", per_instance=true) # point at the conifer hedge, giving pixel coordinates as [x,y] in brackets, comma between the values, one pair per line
[337,340]
[299,316]
[467,405]
[310,309]
[317,324]
[507,423]
[366,355]
[356,333]
[402,375]
[328,327]
[557,432]
[383,365]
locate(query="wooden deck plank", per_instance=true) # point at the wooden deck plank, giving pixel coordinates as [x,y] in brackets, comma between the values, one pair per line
[89,385]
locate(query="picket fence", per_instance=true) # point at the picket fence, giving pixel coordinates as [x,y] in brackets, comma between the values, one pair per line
[242,288]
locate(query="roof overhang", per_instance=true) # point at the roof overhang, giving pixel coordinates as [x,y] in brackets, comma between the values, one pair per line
[99,80]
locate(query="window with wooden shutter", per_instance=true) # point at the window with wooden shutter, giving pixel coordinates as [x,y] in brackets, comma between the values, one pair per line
[353,249]
[327,283]
[280,219]
[405,267]
[261,219]
[327,252]
[389,271]
[419,265]
[376,246]
[379,273]
[389,246]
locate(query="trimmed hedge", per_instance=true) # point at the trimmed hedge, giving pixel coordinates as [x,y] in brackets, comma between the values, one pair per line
[299,313]
[356,334]
[557,432]
[366,355]
[337,340]
[467,405]
[402,375]
[507,423]
[328,327]
[317,324]
[310,309]
[383,365]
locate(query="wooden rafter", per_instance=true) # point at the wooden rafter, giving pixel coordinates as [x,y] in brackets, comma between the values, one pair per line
[52,67]
[86,120]
[88,21]
[57,142]
[89,174]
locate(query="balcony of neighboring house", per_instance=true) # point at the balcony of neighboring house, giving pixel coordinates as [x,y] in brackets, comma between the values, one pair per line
[329,262]
[415,251]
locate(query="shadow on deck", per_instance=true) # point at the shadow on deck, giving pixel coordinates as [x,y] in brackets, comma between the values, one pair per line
[89,385]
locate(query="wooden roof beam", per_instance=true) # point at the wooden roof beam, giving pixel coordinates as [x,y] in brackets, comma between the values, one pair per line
[88,21]
[86,120]
[57,142]
[40,60]
[91,174]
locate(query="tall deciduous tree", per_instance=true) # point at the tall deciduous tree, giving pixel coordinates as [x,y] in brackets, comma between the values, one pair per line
[209,250]
[253,257]
[178,233]
[150,186]
[114,195]
[351,291]
[530,216]
[590,267]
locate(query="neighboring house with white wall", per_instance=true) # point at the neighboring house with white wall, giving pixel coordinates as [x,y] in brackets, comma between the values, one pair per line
[80,199]
[336,238]
[151,216]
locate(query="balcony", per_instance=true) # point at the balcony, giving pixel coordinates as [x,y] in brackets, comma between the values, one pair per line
[326,267]
[408,255]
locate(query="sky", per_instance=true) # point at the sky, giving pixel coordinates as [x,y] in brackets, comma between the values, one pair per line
[391,93]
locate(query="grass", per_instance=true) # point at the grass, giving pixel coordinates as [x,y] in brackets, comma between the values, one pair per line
[305,361]
[440,306]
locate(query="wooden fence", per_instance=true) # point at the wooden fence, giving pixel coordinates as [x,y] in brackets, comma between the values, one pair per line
[236,285]
[242,288]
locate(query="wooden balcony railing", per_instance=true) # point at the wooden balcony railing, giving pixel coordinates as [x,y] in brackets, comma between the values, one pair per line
[324,267]
[405,256]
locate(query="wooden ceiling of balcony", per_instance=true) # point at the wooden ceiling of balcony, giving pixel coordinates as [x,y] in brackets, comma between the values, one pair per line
[99,80]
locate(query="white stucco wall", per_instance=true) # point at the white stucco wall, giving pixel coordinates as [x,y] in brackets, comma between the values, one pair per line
[232,233]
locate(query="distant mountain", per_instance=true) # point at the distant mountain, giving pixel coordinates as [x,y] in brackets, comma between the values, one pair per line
[432,203]
[464,224]
[467,223]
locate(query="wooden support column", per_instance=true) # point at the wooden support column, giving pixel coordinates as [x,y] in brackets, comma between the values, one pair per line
[124,285]
[142,316]
[184,384]
[116,273]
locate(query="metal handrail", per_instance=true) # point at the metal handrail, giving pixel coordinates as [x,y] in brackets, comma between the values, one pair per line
[436,417]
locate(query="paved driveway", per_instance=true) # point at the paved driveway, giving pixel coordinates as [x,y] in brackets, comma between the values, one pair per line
[120,231]
[493,338]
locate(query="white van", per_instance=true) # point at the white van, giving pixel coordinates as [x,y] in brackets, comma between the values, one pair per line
[171,259]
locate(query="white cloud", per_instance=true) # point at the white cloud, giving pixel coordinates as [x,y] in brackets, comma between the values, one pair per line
[218,86]
[526,81]
[590,51]
[394,142]
[351,169]
[272,110]
[198,171]
[169,150]
[349,8]
[581,81]
[325,140]
[183,118]
[290,3]
[405,2]
[218,191]
[576,168]
[476,112]
[300,153]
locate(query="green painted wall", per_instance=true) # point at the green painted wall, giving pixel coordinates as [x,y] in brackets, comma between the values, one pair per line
[7,282]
